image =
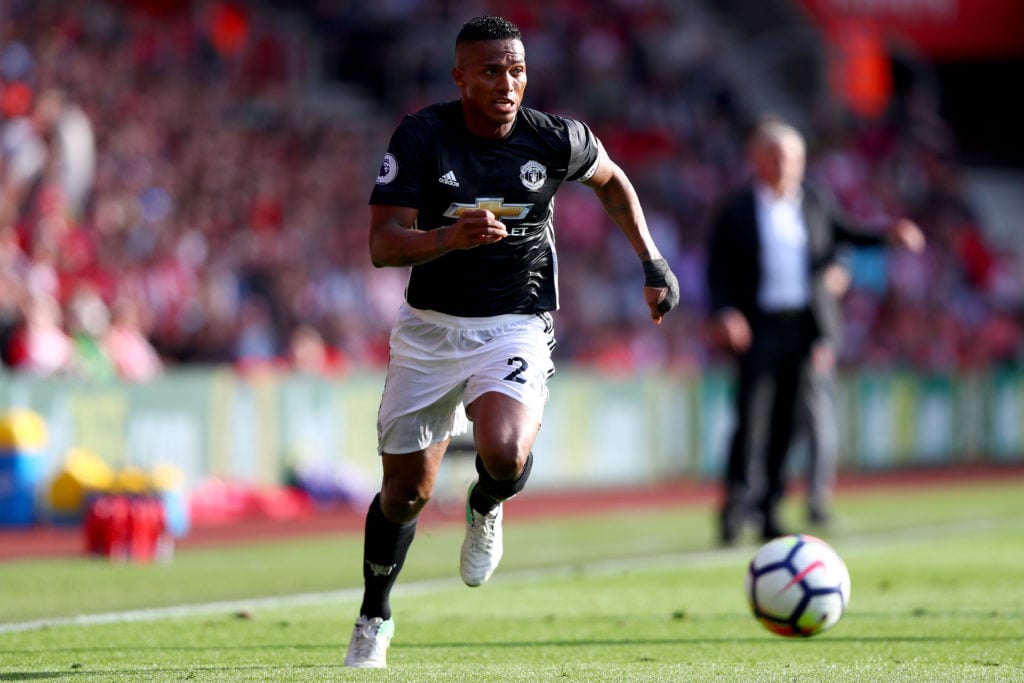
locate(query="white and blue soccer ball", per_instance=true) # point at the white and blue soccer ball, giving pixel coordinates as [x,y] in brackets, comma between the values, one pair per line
[797,586]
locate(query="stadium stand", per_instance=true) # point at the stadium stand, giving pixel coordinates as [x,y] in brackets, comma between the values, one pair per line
[207,164]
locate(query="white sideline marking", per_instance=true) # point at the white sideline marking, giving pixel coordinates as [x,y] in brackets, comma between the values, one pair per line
[699,558]
[172,611]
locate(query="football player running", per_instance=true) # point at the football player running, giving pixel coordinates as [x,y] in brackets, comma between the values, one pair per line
[464,197]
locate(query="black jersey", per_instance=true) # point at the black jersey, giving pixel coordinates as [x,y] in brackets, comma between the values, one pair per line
[434,164]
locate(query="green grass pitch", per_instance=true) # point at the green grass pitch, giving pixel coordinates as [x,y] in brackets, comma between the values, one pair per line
[937,595]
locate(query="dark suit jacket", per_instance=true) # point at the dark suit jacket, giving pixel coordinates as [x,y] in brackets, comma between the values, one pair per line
[734,258]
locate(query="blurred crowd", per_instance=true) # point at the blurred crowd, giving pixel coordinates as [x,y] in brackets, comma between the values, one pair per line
[187,182]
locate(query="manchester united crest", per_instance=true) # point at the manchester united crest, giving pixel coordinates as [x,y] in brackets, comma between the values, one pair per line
[533,174]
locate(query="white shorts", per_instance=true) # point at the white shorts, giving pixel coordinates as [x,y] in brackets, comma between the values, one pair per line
[439,363]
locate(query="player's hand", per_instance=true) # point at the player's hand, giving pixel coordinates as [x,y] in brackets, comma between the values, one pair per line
[474,228]
[661,288]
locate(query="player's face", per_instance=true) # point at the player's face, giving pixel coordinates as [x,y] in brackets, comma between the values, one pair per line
[491,75]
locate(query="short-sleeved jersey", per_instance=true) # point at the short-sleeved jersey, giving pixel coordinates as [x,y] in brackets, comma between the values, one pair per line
[435,165]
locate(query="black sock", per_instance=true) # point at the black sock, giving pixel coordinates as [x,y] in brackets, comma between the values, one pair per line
[385,545]
[488,491]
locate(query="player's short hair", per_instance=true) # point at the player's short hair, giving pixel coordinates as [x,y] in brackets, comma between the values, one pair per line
[488,28]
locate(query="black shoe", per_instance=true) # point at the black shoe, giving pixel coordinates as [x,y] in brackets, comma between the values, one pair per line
[771,529]
[729,527]
[818,518]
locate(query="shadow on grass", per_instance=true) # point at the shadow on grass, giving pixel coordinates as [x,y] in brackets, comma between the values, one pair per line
[481,644]
[711,641]
[171,648]
[177,674]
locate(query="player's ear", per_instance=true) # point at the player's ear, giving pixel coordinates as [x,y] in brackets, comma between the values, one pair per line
[457,76]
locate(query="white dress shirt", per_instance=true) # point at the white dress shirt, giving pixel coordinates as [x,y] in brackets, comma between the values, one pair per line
[785,281]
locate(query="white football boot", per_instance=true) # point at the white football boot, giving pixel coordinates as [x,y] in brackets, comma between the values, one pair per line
[482,546]
[368,648]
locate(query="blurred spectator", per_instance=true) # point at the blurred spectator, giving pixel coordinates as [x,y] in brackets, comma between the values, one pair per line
[41,346]
[51,150]
[13,266]
[818,404]
[256,336]
[133,356]
[88,320]
[309,355]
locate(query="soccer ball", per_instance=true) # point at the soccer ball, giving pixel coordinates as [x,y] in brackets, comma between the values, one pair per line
[797,586]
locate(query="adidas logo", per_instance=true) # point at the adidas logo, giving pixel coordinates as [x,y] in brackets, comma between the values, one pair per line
[449,179]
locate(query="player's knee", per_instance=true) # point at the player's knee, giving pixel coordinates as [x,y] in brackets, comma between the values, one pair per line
[504,456]
[502,465]
[505,488]
[402,504]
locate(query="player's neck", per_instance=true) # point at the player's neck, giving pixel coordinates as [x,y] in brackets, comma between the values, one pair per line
[482,127]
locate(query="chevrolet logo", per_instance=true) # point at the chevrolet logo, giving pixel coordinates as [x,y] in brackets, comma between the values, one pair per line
[496,205]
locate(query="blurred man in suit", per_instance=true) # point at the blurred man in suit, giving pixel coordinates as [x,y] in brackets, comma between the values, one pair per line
[772,242]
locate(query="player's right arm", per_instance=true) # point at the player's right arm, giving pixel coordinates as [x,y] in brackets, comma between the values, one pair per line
[395,240]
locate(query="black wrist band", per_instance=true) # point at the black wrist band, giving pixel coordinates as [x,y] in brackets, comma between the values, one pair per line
[658,274]
[655,272]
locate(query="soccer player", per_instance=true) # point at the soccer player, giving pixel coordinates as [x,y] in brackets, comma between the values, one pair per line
[464,196]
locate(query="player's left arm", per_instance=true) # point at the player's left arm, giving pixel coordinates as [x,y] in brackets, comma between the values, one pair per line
[622,204]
